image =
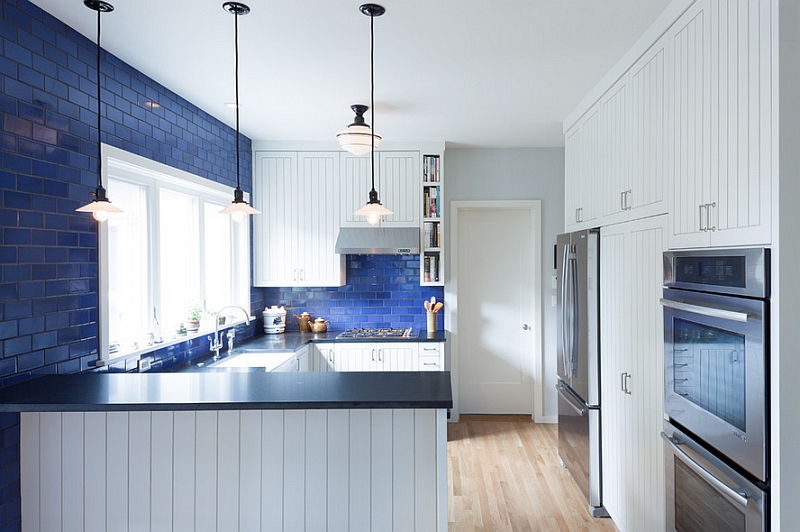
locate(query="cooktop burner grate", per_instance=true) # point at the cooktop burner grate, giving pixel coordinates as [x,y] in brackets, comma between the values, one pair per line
[366,332]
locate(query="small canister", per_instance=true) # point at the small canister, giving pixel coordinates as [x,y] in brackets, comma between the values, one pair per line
[274,319]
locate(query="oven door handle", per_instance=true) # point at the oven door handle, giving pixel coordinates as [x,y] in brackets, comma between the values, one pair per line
[706,311]
[734,495]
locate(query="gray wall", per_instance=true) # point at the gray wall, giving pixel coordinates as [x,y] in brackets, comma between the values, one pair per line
[518,174]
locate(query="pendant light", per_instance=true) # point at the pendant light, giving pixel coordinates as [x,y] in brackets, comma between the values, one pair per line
[101,206]
[239,208]
[357,138]
[373,210]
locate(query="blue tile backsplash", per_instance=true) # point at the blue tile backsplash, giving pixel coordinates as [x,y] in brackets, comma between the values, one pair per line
[381,291]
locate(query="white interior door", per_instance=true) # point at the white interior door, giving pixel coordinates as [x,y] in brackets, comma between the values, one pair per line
[497,318]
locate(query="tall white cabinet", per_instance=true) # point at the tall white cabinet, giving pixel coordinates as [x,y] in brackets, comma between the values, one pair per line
[632,348]
[296,231]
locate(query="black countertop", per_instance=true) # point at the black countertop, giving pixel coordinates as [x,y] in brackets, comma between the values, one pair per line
[228,391]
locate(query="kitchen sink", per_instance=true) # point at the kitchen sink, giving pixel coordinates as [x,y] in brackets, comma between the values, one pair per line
[253,359]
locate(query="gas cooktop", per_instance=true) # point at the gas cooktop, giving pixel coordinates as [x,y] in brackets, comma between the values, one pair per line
[367,333]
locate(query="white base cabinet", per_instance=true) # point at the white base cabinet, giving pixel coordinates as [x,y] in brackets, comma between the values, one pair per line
[301,361]
[632,381]
[235,470]
[388,356]
[376,356]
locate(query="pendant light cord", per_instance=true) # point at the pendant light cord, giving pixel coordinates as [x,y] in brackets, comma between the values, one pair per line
[99,143]
[236,68]
[372,88]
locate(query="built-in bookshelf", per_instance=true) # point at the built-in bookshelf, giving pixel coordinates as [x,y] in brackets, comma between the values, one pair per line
[432,253]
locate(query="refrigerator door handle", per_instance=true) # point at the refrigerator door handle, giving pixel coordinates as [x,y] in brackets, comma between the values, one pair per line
[563,392]
[574,311]
[564,311]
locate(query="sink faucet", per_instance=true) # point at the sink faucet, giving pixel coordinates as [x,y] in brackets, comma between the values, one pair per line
[216,343]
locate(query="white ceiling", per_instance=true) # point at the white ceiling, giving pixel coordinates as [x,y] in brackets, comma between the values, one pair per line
[473,73]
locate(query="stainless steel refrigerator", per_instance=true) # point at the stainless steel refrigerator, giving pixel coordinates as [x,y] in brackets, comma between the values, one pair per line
[579,412]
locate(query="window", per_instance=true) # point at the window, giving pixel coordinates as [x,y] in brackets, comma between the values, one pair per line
[169,251]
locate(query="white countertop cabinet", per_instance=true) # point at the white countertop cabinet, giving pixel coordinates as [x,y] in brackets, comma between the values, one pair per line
[295,234]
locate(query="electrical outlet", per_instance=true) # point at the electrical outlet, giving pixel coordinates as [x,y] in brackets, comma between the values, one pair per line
[144,364]
[555,282]
[553,301]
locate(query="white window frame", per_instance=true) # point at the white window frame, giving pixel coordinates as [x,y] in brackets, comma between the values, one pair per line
[125,166]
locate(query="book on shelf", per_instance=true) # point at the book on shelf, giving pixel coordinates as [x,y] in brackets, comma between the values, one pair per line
[432,234]
[434,268]
[426,269]
[430,169]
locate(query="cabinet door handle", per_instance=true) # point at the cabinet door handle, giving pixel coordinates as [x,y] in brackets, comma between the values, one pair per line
[577,215]
[373,355]
[626,389]
[710,227]
[704,206]
[622,200]
[380,355]
[294,274]
[627,199]
[622,382]
[302,275]
[430,348]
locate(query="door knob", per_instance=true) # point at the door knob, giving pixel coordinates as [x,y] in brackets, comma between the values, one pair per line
[525,327]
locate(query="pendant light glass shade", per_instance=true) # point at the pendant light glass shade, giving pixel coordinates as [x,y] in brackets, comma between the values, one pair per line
[239,209]
[373,210]
[101,206]
[357,138]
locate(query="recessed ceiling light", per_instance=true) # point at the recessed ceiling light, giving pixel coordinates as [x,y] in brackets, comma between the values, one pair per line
[232,105]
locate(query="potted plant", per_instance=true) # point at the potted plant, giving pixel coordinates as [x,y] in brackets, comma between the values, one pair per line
[193,320]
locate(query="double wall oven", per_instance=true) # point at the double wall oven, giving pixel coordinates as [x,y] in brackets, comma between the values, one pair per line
[716,394]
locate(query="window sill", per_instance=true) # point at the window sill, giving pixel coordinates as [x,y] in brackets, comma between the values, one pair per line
[138,353]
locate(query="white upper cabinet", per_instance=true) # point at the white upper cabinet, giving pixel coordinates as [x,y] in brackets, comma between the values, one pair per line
[721,140]
[647,191]
[397,179]
[582,180]
[295,234]
[614,162]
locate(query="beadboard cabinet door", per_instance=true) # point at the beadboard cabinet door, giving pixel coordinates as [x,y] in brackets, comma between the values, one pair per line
[721,142]
[614,169]
[398,175]
[295,234]
[649,122]
[583,151]
[632,379]
[376,356]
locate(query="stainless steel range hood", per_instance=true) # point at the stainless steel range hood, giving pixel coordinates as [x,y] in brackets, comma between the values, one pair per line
[378,241]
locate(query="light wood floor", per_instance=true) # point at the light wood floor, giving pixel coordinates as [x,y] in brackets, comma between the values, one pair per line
[504,475]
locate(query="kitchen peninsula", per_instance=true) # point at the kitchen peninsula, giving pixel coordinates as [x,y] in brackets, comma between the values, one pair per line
[234,450]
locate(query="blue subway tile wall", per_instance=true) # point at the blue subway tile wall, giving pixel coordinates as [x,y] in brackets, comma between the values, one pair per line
[381,291]
[48,168]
